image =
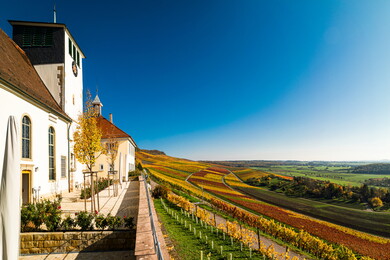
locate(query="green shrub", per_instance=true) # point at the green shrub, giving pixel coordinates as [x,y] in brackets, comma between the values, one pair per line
[134,173]
[129,222]
[100,185]
[37,214]
[139,166]
[160,191]
[114,222]
[101,221]
[84,220]
[52,217]
[68,223]
[26,216]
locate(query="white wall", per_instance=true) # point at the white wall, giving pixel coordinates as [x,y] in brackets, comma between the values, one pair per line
[73,100]
[52,76]
[73,84]
[10,104]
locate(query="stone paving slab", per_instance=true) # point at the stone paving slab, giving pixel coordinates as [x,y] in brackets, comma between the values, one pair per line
[71,202]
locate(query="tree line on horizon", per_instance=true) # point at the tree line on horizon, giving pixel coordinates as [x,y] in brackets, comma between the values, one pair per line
[312,188]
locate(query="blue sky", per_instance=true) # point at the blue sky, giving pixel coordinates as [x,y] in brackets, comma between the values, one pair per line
[305,80]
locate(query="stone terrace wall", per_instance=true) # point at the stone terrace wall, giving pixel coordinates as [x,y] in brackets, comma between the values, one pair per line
[76,241]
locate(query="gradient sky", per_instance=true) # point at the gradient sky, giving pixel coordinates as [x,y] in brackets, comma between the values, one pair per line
[281,79]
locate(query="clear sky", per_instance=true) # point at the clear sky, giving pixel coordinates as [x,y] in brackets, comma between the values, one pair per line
[205,79]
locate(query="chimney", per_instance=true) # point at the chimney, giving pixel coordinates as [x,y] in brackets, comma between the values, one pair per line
[111,118]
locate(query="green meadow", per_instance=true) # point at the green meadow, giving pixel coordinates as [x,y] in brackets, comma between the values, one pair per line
[338,174]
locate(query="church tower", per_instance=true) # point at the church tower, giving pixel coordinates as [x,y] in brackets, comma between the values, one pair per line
[57,58]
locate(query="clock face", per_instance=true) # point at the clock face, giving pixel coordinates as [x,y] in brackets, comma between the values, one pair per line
[74,68]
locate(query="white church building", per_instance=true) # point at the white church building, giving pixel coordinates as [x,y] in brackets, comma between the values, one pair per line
[41,85]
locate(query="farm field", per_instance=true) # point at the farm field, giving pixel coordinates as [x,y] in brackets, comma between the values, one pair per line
[336,174]
[210,181]
[359,242]
[371,222]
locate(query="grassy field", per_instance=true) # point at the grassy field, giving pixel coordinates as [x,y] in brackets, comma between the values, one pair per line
[186,245]
[336,174]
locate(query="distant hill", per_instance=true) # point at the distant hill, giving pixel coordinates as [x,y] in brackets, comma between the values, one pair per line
[374,168]
[153,152]
[263,163]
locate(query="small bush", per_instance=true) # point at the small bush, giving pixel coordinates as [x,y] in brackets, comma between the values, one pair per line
[114,222]
[26,217]
[38,214]
[134,173]
[84,220]
[129,222]
[52,218]
[101,221]
[68,223]
[100,185]
[160,192]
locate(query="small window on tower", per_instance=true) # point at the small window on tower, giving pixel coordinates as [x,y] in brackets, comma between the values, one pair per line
[78,58]
[27,36]
[73,99]
[74,52]
[70,47]
[37,36]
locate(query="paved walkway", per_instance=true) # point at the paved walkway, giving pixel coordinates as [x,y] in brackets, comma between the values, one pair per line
[71,202]
[130,203]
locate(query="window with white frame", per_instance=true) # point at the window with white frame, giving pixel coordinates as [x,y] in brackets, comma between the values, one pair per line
[52,165]
[26,137]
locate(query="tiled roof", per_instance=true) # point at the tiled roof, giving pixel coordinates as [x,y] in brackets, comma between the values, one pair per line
[17,70]
[109,130]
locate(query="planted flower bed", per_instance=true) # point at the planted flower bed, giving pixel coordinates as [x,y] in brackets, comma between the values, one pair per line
[46,216]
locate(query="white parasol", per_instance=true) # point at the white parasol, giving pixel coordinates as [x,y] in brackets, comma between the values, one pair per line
[10,195]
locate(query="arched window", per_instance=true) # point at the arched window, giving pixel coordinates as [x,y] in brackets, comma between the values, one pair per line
[52,165]
[26,137]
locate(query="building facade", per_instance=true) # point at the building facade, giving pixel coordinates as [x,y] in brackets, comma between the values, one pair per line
[41,85]
[42,124]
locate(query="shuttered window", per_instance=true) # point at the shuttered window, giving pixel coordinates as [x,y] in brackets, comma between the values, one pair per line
[37,36]
[78,58]
[63,166]
[70,47]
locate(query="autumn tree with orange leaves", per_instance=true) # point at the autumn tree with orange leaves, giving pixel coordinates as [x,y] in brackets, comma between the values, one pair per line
[87,146]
